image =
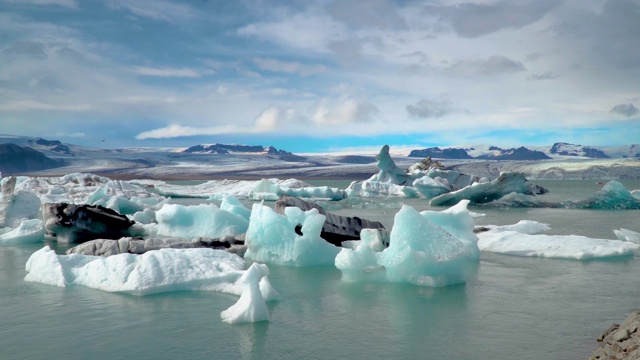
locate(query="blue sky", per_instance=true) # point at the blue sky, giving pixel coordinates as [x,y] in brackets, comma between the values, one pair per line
[321,75]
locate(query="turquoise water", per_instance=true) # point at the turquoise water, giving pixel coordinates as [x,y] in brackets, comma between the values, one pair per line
[511,308]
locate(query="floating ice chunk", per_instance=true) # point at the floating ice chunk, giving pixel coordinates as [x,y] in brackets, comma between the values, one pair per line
[456,180]
[146,216]
[457,221]
[29,231]
[320,192]
[360,263]
[231,204]
[636,194]
[431,188]
[420,252]
[153,272]
[204,220]
[71,189]
[613,195]
[24,205]
[43,267]
[272,237]
[480,193]
[369,188]
[265,190]
[423,253]
[521,240]
[627,235]
[251,307]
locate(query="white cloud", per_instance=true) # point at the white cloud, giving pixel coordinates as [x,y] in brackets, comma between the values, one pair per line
[64,3]
[156,9]
[290,67]
[165,72]
[33,105]
[312,32]
[345,112]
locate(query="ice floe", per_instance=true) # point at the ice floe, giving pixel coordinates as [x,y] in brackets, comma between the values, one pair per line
[156,271]
[524,239]
[29,231]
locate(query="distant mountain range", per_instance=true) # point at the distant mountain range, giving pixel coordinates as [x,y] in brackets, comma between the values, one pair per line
[15,159]
[227,149]
[557,150]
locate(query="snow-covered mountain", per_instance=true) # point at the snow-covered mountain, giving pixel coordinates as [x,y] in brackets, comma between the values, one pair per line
[557,150]
[233,148]
[481,152]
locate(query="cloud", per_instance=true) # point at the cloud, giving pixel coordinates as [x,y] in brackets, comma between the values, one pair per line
[347,111]
[27,48]
[289,67]
[34,105]
[311,32]
[157,9]
[542,76]
[426,108]
[472,20]
[64,3]
[175,130]
[627,110]
[494,65]
[166,72]
[275,117]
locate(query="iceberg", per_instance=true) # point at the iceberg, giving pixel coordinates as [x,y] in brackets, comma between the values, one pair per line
[485,192]
[123,197]
[251,307]
[275,238]
[231,204]
[613,195]
[523,239]
[430,188]
[627,235]
[29,231]
[153,272]
[426,249]
[204,220]
[71,189]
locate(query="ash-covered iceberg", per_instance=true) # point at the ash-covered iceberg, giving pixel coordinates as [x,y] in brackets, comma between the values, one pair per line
[426,249]
[292,239]
[524,239]
[156,271]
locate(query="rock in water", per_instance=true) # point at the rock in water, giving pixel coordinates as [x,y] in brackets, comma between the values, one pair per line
[81,223]
[336,228]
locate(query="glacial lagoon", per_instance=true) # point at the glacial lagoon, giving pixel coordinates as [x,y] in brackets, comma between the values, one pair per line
[510,307]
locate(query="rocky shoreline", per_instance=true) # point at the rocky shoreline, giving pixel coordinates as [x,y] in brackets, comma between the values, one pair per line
[620,341]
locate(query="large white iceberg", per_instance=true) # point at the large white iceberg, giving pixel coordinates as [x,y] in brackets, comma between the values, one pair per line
[523,239]
[156,271]
[426,249]
[204,220]
[273,238]
[123,197]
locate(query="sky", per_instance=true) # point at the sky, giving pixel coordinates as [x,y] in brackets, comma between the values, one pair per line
[321,75]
